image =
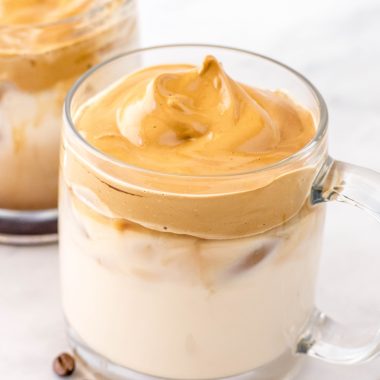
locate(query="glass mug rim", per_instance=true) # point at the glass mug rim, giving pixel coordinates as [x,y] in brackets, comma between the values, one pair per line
[92,11]
[300,154]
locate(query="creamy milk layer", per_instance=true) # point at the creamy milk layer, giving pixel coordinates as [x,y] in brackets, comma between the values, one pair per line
[28,148]
[41,55]
[181,307]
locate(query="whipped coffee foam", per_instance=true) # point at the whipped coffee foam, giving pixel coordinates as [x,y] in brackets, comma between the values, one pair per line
[180,119]
[183,119]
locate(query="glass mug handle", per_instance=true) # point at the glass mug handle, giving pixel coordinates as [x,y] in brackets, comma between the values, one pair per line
[360,187]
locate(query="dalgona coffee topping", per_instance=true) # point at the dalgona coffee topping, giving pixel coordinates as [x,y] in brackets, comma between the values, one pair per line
[194,120]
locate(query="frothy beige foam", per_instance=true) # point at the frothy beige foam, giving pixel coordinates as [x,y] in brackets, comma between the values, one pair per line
[195,121]
[26,12]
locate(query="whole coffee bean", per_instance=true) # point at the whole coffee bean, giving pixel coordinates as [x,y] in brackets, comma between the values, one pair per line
[64,365]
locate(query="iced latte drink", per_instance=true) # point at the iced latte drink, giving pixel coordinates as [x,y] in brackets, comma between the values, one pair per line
[44,47]
[189,248]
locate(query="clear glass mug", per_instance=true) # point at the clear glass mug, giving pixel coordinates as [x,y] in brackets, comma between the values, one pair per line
[201,277]
[38,65]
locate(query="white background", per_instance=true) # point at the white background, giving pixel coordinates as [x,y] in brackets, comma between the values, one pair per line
[336,44]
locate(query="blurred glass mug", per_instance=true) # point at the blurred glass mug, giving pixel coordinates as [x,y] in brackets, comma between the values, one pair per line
[152,303]
[39,62]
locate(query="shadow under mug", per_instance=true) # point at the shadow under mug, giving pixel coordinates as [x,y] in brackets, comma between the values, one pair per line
[28,227]
[137,302]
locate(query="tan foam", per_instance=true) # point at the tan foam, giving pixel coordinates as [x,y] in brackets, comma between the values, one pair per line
[26,12]
[217,127]
[187,120]
[230,214]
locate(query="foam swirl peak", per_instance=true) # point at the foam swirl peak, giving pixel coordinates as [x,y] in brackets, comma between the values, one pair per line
[197,120]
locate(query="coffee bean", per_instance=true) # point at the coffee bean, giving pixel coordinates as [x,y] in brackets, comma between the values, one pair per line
[64,365]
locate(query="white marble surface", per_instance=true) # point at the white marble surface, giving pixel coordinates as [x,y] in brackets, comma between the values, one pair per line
[337,45]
